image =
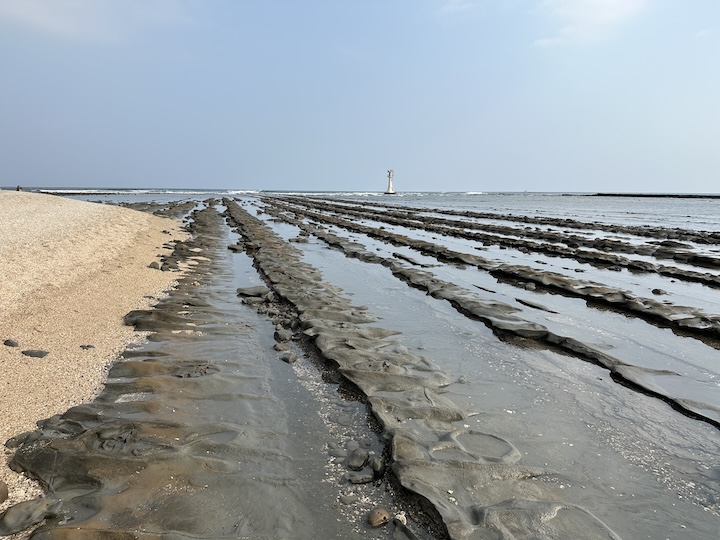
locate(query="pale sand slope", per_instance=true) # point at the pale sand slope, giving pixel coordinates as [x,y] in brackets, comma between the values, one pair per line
[69,272]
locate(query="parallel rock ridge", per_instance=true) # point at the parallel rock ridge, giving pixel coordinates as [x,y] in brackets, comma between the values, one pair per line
[474,480]
[502,318]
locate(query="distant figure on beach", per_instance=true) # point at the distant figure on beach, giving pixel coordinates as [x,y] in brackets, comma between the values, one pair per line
[19,188]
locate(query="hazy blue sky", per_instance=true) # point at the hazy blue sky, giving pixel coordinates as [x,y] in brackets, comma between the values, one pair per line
[455,95]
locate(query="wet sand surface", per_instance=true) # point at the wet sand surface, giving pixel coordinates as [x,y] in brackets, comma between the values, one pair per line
[520,400]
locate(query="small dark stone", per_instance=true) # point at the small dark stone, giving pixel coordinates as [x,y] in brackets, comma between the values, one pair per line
[659,292]
[34,353]
[343,420]
[283,335]
[360,477]
[86,347]
[357,459]
[288,357]
[378,467]
[154,265]
[365,442]
[11,343]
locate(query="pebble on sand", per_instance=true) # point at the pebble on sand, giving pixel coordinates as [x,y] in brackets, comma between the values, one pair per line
[35,353]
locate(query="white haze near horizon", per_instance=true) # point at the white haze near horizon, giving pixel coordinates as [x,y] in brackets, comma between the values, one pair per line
[454,95]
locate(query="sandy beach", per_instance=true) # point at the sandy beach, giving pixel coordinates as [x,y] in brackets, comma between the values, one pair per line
[70,270]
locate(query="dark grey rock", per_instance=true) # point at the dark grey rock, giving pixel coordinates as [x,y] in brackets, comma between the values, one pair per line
[35,353]
[283,335]
[357,459]
[26,514]
[11,343]
[17,440]
[4,492]
[338,452]
[349,499]
[289,357]
[360,477]
[378,467]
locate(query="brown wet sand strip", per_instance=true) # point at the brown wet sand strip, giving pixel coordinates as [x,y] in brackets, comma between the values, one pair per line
[70,271]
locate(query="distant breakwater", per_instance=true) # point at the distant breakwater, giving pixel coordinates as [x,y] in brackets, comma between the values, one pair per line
[661,195]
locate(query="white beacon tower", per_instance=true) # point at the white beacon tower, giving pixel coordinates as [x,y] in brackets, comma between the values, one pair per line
[390,190]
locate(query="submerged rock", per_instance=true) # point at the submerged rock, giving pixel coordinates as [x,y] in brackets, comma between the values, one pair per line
[289,357]
[357,459]
[364,476]
[283,335]
[257,291]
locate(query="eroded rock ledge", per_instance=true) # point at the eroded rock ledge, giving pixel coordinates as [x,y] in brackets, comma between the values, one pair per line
[475,480]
